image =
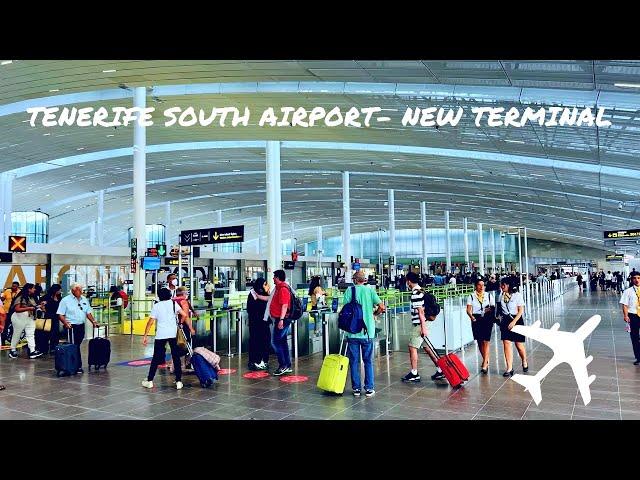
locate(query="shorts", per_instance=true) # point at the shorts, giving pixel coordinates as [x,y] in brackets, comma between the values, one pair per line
[416,339]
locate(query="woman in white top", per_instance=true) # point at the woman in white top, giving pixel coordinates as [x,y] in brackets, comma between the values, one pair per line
[512,308]
[166,313]
[479,310]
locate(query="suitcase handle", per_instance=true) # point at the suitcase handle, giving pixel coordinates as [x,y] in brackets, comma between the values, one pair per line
[70,337]
[97,327]
[431,347]
[451,364]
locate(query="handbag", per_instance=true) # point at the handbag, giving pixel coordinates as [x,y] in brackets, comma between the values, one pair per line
[181,338]
[43,324]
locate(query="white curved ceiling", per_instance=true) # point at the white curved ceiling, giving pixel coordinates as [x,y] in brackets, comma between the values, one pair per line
[563,183]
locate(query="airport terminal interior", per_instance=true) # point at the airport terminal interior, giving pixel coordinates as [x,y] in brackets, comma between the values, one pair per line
[124,180]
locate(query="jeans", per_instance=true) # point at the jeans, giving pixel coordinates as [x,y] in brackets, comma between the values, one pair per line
[159,348]
[353,352]
[280,344]
[634,323]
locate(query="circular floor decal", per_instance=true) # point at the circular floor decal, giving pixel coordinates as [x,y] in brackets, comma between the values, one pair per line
[294,379]
[256,375]
[162,365]
[227,371]
[137,363]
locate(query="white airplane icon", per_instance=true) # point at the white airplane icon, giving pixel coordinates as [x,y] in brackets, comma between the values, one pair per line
[567,347]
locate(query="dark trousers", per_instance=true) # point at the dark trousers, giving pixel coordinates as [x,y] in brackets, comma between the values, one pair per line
[280,344]
[77,337]
[159,349]
[635,334]
[54,336]
[259,341]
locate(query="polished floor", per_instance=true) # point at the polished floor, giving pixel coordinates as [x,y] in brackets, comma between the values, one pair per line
[33,391]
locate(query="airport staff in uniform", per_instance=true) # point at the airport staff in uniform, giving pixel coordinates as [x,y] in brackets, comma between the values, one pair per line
[512,308]
[630,301]
[479,310]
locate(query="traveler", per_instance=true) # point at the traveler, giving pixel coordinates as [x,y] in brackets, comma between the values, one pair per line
[607,280]
[209,287]
[511,311]
[420,301]
[259,334]
[316,294]
[361,341]
[24,320]
[7,297]
[172,283]
[492,285]
[630,301]
[479,310]
[279,305]
[614,281]
[51,304]
[452,282]
[579,280]
[3,317]
[182,299]
[73,311]
[166,312]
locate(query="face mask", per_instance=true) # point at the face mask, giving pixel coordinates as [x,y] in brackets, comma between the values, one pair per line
[174,282]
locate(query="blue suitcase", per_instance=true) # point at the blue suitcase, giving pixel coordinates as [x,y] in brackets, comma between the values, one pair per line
[203,370]
[67,358]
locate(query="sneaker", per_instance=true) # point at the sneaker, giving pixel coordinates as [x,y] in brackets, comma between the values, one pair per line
[147,384]
[356,392]
[13,354]
[279,371]
[437,376]
[287,370]
[80,370]
[369,393]
[35,354]
[261,365]
[179,385]
[410,377]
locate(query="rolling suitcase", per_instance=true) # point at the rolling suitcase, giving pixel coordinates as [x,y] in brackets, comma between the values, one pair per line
[333,374]
[454,370]
[99,351]
[203,370]
[67,357]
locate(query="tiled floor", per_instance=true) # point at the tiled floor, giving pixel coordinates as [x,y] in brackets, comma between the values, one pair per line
[34,392]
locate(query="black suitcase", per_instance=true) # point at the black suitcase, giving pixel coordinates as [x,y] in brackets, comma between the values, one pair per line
[67,358]
[99,351]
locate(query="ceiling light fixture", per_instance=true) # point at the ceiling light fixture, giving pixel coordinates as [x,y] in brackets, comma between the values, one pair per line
[54,90]
[80,148]
[6,62]
[622,85]
[109,71]
[514,141]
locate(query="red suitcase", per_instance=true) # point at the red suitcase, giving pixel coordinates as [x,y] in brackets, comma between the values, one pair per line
[454,370]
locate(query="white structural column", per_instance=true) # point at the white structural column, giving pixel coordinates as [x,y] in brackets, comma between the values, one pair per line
[520,257]
[92,234]
[259,242]
[465,228]
[319,246]
[292,229]
[492,242]
[346,226]
[480,250]
[423,228]
[503,266]
[526,254]
[447,240]
[6,207]
[167,221]
[139,197]
[100,222]
[274,209]
[361,246]
[392,233]
[219,218]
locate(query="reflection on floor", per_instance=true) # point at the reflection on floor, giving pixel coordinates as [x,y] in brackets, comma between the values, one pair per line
[34,392]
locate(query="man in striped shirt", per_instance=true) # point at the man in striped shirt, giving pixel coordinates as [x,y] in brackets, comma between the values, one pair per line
[419,298]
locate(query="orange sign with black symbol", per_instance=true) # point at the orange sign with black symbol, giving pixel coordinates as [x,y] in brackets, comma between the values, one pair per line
[17,244]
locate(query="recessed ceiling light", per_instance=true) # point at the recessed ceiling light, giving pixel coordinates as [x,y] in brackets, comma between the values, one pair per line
[54,90]
[81,165]
[108,71]
[46,134]
[623,85]
[80,148]
[537,175]
[236,170]
[6,62]
[167,169]
[111,135]
[113,183]
[514,141]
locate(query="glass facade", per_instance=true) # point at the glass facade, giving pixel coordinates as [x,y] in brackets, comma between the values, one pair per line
[33,225]
[155,235]
[235,247]
[409,245]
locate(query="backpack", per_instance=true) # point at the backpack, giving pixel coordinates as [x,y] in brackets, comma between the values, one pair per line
[125,298]
[431,306]
[296,306]
[351,317]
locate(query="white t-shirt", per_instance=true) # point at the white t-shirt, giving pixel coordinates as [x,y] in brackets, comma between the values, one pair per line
[209,287]
[608,276]
[166,322]
[515,301]
[630,299]
[452,281]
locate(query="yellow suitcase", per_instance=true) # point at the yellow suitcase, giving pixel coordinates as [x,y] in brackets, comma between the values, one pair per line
[333,374]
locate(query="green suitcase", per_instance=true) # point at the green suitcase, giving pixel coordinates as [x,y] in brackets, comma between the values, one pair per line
[333,374]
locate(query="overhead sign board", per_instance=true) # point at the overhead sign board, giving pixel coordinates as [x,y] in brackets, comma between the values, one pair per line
[17,244]
[635,233]
[6,257]
[151,263]
[174,261]
[208,236]
[356,266]
[161,248]
[615,258]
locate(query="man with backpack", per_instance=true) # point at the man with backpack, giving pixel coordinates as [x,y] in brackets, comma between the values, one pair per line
[279,305]
[362,341]
[423,307]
